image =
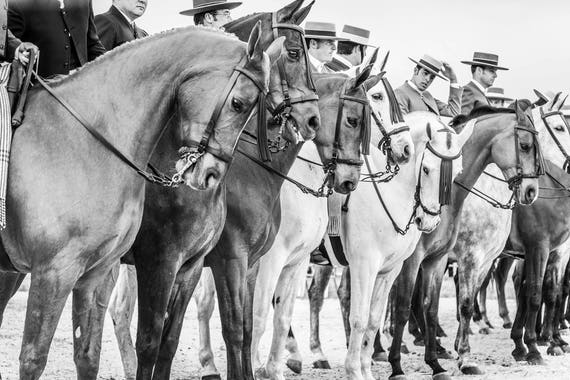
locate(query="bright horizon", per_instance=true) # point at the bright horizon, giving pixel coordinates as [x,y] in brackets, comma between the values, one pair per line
[528,35]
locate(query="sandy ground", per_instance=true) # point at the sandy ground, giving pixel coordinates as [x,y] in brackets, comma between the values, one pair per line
[491,351]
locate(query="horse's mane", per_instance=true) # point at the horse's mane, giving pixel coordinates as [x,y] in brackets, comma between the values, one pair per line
[461,119]
[131,45]
[232,23]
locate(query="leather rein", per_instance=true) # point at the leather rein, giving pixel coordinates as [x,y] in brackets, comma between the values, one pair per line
[190,154]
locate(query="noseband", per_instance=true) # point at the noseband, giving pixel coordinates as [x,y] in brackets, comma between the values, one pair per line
[544,117]
[282,112]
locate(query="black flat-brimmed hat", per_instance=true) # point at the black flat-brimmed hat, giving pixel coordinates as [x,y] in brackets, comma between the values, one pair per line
[497,93]
[321,31]
[201,6]
[356,35]
[485,59]
[430,64]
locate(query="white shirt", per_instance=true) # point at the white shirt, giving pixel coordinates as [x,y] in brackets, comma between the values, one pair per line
[318,64]
[479,86]
[341,59]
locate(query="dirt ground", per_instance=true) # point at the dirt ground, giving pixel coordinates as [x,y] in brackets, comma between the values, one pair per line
[492,352]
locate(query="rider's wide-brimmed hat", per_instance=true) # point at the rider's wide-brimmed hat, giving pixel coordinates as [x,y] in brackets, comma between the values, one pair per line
[201,6]
[544,96]
[497,93]
[355,34]
[431,64]
[485,59]
[321,31]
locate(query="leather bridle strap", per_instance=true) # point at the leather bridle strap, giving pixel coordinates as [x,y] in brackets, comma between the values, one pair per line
[545,116]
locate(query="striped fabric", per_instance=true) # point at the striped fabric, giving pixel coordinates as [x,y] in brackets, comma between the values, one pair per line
[5,139]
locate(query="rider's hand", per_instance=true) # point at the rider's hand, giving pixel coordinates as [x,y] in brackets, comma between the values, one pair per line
[448,72]
[23,52]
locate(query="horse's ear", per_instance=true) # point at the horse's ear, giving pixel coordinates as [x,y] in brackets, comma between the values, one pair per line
[302,14]
[562,103]
[287,12]
[254,46]
[372,81]
[558,101]
[465,133]
[521,120]
[275,50]
[428,131]
[361,77]
[385,61]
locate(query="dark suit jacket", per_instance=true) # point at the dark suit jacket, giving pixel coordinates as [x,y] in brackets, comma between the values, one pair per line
[472,98]
[8,42]
[66,38]
[410,100]
[114,29]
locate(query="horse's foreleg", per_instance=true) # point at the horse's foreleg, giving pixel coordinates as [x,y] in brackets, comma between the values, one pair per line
[230,279]
[316,293]
[517,331]
[285,294]
[433,271]
[9,285]
[486,324]
[205,297]
[121,309]
[564,298]
[403,290]
[90,300]
[501,276]
[416,323]
[549,296]
[535,266]
[186,280]
[48,292]
[343,293]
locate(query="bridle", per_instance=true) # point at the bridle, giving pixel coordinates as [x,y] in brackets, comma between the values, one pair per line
[545,116]
[445,183]
[189,154]
[282,112]
[385,144]
[515,181]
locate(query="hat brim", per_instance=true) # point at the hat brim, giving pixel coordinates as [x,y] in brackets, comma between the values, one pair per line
[318,37]
[542,96]
[428,69]
[498,97]
[473,63]
[193,11]
[355,39]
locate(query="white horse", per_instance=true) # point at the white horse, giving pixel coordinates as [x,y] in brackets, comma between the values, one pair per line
[484,229]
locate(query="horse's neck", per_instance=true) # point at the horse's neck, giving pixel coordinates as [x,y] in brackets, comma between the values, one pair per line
[308,173]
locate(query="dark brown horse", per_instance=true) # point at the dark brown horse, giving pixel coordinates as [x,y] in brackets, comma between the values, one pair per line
[508,141]
[74,207]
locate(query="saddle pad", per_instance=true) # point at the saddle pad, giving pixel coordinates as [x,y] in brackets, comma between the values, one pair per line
[334,204]
[5,139]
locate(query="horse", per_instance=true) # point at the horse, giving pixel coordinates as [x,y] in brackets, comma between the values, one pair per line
[69,232]
[303,222]
[492,141]
[174,224]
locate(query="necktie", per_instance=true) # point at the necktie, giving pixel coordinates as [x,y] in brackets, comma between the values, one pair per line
[135,33]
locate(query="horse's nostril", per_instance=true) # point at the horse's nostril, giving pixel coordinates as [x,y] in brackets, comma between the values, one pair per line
[418,221]
[530,193]
[314,123]
[407,151]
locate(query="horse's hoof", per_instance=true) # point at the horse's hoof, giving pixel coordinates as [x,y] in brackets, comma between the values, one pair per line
[508,325]
[565,348]
[260,374]
[441,376]
[563,325]
[488,323]
[519,354]
[484,331]
[398,377]
[471,369]
[321,364]
[442,353]
[554,350]
[419,342]
[214,377]
[534,358]
[380,357]
[295,366]
[404,350]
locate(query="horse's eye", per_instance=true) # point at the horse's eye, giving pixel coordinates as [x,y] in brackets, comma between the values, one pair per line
[425,170]
[377,97]
[293,54]
[559,128]
[353,121]
[237,105]
[525,147]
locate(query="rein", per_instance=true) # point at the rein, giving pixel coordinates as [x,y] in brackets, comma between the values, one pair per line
[190,154]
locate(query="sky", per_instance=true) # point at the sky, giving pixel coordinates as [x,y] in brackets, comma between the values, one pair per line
[531,37]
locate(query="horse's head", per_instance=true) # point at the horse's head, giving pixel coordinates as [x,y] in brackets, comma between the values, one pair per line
[292,94]
[345,115]
[553,131]
[395,139]
[229,94]
[436,169]
[515,150]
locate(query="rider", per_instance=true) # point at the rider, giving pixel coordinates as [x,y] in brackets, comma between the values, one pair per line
[413,95]
[321,41]
[350,52]
[117,25]
[68,40]
[212,13]
[497,98]
[484,68]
